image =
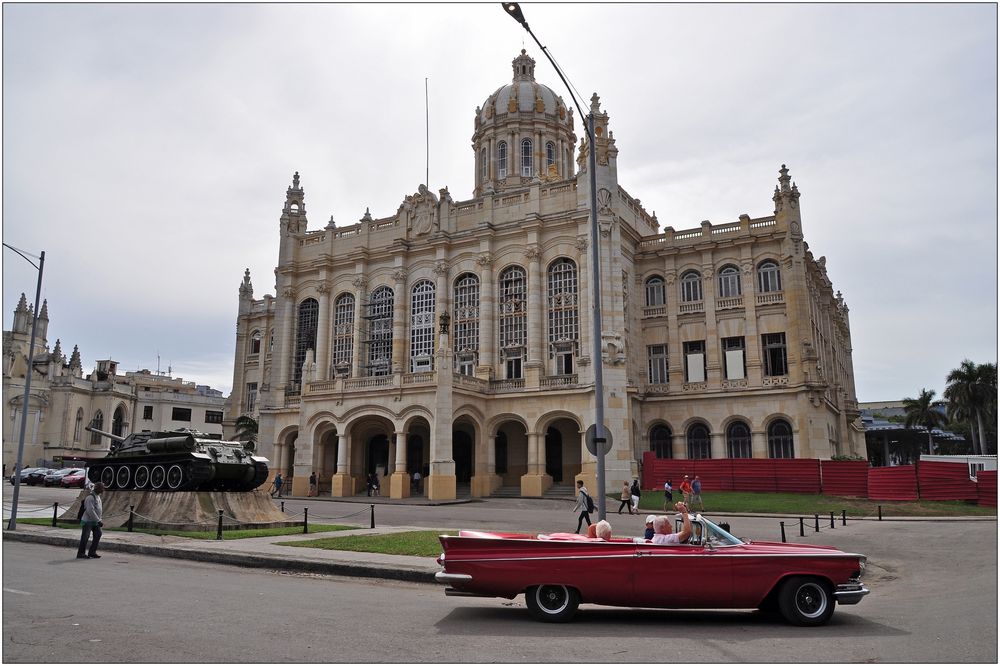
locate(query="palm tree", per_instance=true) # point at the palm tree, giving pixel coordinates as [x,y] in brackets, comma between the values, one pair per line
[246,428]
[972,392]
[924,411]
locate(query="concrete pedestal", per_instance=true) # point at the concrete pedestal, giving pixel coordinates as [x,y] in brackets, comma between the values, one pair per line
[399,485]
[535,485]
[342,485]
[483,485]
[441,487]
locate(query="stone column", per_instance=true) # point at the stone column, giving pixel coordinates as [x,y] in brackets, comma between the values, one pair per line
[718,445]
[401,309]
[713,368]
[441,300]
[758,443]
[399,482]
[342,484]
[485,480]
[487,317]
[286,344]
[679,446]
[535,310]
[585,308]
[360,285]
[441,482]
[323,334]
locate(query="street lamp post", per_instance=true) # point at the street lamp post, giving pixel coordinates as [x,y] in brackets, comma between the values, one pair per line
[12,525]
[514,10]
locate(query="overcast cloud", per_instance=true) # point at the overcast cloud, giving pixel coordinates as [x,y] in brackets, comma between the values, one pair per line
[147,148]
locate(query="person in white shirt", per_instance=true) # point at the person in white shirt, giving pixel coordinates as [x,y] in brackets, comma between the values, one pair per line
[661,528]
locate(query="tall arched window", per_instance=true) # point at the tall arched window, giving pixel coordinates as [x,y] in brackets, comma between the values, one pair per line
[466,327]
[78,428]
[564,319]
[779,440]
[422,326]
[512,319]
[660,442]
[254,343]
[738,440]
[118,422]
[502,160]
[550,156]
[691,287]
[526,158]
[729,282]
[655,294]
[768,277]
[380,332]
[699,442]
[343,334]
[305,335]
[97,423]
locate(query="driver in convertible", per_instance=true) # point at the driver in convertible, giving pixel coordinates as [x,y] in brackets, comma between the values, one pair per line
[661,528]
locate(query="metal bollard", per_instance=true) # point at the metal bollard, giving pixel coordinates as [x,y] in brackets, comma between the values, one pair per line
[55,512]
[218,535]
[373,516]
[131,513]
[305,520]
[832,525]
[802,526]
[782,531]
[880,512]
[282,506]
[816,516]
[843,516]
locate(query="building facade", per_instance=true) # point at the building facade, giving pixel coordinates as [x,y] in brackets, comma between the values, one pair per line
[453,338]
[63,402]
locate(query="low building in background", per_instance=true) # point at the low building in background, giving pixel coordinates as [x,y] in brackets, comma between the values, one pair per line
[889,442]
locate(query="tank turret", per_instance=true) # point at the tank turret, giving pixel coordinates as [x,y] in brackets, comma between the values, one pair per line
[177,460]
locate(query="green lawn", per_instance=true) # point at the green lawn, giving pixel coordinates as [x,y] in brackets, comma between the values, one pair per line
[422,543]
[724,501]
[211,534]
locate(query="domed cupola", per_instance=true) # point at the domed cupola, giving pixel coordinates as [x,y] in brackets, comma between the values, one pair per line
[523,131]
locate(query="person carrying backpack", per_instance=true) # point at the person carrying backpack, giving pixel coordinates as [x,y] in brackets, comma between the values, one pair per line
[91,522]
[584,505]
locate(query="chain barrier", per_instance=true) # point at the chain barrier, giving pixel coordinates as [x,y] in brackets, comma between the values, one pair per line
[20,510]
[814,521]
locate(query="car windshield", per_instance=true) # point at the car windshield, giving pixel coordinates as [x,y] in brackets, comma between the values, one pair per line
[718,536]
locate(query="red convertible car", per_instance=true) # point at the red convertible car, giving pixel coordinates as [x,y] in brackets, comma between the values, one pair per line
[714,569]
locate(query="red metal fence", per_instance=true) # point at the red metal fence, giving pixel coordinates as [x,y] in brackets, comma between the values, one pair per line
[945,481]
[846,478]
[986,488]
[893,483]
[789,475]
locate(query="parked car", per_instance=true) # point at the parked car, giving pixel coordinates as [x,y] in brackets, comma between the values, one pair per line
[37,476]
[56,477]
[75,479]
[713,569]
[23,475]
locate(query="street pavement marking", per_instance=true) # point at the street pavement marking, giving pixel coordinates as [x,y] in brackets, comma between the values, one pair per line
[7,589]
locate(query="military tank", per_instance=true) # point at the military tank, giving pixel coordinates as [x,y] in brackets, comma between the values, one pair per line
[177,460]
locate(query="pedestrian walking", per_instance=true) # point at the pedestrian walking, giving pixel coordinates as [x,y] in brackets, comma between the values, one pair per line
[696,492]
[583,505]
[668,494]
[636,494]
[686,489]
[276,486]
[312,485]
[91,522]
[626,499]
[416,481]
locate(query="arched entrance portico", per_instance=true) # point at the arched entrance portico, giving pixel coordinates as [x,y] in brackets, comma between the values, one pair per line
[372,442]
[510,453]
[560,451]
[464,453]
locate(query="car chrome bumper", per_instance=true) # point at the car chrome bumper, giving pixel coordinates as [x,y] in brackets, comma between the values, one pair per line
[850,593]
[448,578]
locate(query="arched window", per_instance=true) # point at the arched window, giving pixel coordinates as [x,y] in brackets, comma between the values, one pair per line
[729,282]
[768,277]
[660,442]
[512,319]
[655,294]
[484,171]
[564,320]
[691,287]
[380,332]
[97,423]
[254,343]
[422,326]
[550,156]
[466,326]
[78,428]
[305,335]
[502,160]
[699,442]
[526,155]
[738,440]
[779,440]
[118,422]
[343,334]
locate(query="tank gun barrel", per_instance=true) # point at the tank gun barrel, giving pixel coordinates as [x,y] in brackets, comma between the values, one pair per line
[113,438]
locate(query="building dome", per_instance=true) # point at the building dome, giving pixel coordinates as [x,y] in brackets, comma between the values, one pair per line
[524,130]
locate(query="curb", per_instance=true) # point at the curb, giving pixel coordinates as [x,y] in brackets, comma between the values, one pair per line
[337,568]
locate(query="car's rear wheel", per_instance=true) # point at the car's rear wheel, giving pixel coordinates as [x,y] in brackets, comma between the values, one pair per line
[552,603]
[806,601]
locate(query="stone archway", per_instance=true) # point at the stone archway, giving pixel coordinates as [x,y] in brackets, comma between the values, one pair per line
[370,451]
[510,449]
[562,451]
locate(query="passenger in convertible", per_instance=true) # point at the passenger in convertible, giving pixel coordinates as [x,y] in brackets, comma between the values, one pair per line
[603,530]
[661,525]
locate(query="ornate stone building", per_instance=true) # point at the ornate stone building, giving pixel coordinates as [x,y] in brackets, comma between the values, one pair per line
[453,338]
[63,401]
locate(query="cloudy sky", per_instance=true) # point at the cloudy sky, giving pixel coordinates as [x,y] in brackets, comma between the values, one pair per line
[147,148]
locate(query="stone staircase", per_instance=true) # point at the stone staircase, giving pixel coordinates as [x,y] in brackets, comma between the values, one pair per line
[507,491]
[560,491]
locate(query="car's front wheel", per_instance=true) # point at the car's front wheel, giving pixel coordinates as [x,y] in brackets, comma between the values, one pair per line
[552,603]
[806,601]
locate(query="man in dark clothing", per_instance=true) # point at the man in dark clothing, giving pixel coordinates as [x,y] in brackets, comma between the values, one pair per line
[91,522]
[636,495]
